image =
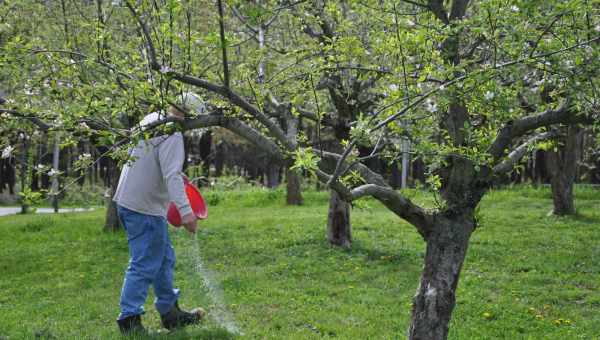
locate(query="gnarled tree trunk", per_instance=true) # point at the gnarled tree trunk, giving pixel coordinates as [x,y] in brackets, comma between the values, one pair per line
[339,229]
[436,295]
[294,188]
[562,165]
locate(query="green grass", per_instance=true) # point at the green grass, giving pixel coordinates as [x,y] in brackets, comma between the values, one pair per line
[527,275]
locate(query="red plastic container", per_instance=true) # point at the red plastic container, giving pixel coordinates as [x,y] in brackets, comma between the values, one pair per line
[196,202]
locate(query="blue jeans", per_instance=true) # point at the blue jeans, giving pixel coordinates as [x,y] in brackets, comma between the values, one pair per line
[151,261]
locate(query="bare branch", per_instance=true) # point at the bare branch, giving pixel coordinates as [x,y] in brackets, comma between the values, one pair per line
[240,128]
[367,174]
[243,20]
[520,127]
[392,199]
[223,44]
[518,153]
[418,4]
[84,56]
[146,32]
[238,101]
[338,167]
[399,205]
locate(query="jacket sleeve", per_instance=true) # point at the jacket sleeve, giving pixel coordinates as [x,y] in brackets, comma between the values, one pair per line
[171,156]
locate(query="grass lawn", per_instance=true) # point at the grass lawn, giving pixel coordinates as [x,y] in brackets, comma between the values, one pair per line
[527,275]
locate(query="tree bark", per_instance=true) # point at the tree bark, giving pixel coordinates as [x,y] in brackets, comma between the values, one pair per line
[112,222]
[55,165]
[272,175]
[339,228]
[25,150]
[436,295]
[562,165]
[294,189]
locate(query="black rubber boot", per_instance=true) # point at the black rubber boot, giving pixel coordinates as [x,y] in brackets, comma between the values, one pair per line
[176,318]
[131,325]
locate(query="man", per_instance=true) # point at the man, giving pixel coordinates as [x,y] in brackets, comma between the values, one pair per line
[147,184]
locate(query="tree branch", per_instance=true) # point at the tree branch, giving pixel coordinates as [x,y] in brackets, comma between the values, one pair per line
[146,32]
[514,129]
[518,153]
[238,127]
[223,44]
[367,174]
[238,101]
[35,120]
[437,7]
[392,199]
[399,205]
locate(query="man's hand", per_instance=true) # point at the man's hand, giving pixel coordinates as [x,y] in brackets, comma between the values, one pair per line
[189,221]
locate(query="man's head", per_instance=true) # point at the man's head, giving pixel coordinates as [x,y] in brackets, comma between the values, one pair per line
[187,102]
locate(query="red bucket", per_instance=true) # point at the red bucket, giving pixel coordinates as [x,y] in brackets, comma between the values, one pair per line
[196,202]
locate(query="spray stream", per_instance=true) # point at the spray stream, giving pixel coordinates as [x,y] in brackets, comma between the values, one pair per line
[219,312]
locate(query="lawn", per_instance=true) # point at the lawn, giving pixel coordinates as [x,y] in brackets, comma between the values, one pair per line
[273,275]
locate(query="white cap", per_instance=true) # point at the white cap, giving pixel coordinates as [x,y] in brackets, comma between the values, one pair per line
[191,102]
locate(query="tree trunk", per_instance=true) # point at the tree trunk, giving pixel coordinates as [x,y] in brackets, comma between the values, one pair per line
[395,176]
[272,175]
[112,222]
[294,188]
[339,228]
[25,149]
[436,295]
[55,165]
[562,165]
[405,161]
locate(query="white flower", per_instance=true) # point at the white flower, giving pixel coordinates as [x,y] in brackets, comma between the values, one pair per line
[83,125]
[53,172]
[85,156]
[165,69]
[489,95]
[7,151]
[514,8]
[393,87]
[40,167]
[569,63]
[431,106]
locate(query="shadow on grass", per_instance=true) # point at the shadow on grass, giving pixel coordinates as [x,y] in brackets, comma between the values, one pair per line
[212,334]
[584,218]
[399,255]
[38,225]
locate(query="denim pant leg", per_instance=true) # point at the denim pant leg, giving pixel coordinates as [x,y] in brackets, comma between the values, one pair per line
[146,236]
[166,295]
